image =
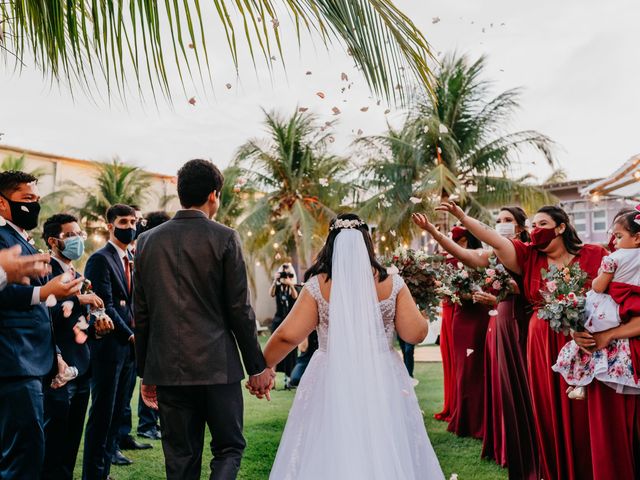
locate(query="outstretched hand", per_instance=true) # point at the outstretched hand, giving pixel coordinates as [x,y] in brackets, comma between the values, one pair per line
[451,208]
[261,385]
[421,220]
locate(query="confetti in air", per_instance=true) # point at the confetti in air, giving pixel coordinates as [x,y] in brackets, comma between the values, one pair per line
[51,301]
[336,111]
[415,200]
[364,109]
[469,351]
[192,101]
[435,20]
[320,94]
[443,129]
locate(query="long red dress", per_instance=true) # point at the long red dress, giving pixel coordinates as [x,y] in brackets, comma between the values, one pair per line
[562,425]
[448,366]
[509,431]
[470,321]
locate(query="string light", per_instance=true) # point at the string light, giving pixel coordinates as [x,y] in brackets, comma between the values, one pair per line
[249,234]
[637,175]
[276,245]
[272,232]
[257,263]
[424,234]
[383,238]
[595,198]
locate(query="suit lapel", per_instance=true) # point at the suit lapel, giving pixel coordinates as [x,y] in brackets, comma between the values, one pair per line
[12,231]
[116,264]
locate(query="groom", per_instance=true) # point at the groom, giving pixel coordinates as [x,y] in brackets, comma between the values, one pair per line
[192,314]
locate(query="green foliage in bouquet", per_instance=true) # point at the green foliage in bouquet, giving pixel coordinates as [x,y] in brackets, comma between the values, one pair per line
[420,271]
[496,280]
[459,282]
[564,295]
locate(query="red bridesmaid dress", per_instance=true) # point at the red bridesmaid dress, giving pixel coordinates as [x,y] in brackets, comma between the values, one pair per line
[562,425]
[470,321]
[448,366]
[509,431]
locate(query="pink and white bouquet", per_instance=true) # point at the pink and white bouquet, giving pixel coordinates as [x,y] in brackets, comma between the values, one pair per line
[564,295]
[459,282]
[497,281]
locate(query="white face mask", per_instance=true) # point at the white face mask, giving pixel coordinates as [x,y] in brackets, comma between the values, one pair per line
[506,229]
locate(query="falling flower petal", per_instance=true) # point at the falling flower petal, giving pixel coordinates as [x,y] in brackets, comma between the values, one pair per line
[344,77]
[275,22]
[82,322]
[331,139]
[191,45]
[336,111]
[300,233]
[66,277]
[439,150]
[360,132]
[320,94]
[469,351]
[67,308]
[415,200]
[435,20]
[3,222]
[392,232]
[425,129]
[228,85]
[192,100]
[387,111]
[303,109]
[405,393]
[378,103]
[51,301]
[454,476]
[364,109]
[443,129]
[308,72]
[273,58]
[324,182]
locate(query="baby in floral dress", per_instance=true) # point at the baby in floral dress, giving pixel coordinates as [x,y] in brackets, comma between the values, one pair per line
[620,278]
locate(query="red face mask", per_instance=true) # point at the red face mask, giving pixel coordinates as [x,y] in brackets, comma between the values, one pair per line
[612,243]
[542,237]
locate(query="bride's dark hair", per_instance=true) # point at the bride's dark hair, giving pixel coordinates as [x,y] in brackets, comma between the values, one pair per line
[322,263]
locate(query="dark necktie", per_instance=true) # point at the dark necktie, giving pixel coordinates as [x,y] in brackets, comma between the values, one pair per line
[127,272]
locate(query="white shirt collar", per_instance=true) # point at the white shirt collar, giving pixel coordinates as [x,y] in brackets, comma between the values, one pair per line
[121,253]
[22,232]
[65,266]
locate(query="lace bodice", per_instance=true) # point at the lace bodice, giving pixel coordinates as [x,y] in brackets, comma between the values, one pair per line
[387,308]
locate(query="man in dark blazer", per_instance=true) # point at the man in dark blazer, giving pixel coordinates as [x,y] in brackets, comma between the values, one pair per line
[192,315]
[112,357]
[27,350]
[65,407]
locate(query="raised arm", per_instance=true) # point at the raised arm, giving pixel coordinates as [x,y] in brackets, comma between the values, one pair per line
[502,247]
[470,258]
[300,322]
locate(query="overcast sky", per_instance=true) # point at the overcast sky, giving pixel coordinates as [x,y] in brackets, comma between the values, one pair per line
[578,62]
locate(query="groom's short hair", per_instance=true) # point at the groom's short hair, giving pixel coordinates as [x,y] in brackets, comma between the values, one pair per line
[196,180]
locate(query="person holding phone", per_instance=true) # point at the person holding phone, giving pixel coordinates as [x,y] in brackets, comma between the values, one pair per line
[284,290]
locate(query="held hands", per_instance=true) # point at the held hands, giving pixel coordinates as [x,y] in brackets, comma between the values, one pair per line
[452,209]
[20,268]
[261,385]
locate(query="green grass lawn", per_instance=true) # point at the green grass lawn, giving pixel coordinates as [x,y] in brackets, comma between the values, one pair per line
[264,422]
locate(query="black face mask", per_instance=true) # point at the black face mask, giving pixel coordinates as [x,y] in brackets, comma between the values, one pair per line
[24,214]
[125,235]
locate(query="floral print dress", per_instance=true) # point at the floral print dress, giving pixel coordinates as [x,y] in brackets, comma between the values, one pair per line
[611,365]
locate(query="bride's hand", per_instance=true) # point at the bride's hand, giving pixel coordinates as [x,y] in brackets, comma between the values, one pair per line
[451,208]
[421,220]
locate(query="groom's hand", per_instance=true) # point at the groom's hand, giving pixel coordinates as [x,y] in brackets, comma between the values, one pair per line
[260,385]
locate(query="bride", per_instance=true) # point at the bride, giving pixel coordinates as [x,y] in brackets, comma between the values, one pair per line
[355,414]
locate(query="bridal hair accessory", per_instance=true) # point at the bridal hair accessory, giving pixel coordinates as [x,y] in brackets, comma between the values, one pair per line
[636,219]
[341,224]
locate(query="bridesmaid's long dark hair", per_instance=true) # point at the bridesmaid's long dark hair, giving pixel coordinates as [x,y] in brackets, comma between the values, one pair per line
[521,220]
[570,237]
[323,260]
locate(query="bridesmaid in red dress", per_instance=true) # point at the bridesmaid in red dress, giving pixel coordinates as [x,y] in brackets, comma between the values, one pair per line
[509,435]
[563,428]
[446,351]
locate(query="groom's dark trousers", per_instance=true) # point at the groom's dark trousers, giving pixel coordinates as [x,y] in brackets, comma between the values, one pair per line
[192,315]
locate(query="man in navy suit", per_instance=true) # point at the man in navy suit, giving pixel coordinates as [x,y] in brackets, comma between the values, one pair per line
[112,357]
[65,407]
[27,350]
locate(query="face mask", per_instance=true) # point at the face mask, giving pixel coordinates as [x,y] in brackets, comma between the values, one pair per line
[542,237]
[24,214]
[73,248]
[506,229]
[125,235]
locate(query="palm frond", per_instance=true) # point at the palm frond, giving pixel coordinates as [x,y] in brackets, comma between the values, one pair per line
[79,41]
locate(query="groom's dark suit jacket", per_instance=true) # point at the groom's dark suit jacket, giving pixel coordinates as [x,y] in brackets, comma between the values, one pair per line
[192,309]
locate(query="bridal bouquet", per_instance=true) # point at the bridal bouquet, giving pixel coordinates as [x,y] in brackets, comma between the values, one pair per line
[420,271]
[459,283]
[564,295]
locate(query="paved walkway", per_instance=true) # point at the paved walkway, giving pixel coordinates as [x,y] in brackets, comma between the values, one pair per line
[427,353]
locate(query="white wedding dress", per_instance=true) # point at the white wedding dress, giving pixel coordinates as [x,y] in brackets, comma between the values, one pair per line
[355,415]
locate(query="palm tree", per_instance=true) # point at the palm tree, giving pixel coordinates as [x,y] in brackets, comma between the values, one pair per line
[299,186]
[18,163]
[456,143]
[80,41]
[115,182]
[234,196]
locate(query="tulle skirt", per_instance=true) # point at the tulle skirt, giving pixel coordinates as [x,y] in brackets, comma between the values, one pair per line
[308,451]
